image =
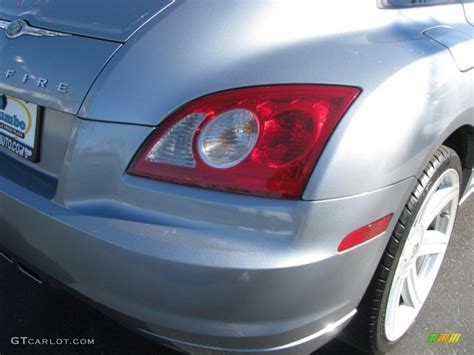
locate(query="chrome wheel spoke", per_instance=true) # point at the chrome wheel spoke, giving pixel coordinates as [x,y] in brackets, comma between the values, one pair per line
[434,242]
[438,203]
[394,303]
[412,292]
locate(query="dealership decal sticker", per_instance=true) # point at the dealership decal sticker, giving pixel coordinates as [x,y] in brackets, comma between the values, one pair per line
[18,127]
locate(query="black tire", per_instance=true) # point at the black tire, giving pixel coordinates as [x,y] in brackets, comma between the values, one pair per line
[366,331]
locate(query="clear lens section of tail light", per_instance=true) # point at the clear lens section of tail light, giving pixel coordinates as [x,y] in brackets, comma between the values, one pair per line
[175,146]
[228,139]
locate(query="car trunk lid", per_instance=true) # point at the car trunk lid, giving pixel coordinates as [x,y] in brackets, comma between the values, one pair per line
[89,18]
[56,74]
[53,72]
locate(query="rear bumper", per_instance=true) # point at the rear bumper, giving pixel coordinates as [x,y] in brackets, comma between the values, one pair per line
[300,346]
[201,286]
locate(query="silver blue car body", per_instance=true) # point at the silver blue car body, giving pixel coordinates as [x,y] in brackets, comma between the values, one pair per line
[206,269]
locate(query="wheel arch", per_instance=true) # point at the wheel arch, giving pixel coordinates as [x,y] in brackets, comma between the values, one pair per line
[459,136]
[462,142]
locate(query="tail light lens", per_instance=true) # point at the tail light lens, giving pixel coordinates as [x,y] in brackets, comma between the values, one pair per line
[260,141]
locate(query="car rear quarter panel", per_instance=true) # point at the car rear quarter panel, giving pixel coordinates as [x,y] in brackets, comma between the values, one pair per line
[413,94]
[194,240]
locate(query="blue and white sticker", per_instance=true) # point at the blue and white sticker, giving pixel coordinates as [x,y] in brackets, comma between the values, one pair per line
[18,127]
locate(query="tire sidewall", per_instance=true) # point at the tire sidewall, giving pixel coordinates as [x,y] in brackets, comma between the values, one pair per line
[383,344]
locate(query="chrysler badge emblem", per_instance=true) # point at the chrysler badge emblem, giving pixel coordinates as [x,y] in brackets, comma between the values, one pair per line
[15,29]
[18,28]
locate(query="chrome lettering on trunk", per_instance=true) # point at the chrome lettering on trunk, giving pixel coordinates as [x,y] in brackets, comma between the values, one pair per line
[38,81]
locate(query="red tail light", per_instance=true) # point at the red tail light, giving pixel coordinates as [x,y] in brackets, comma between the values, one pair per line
[259,141]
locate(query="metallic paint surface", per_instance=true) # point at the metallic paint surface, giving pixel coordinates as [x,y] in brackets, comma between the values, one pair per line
[207,268]
[175,262]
